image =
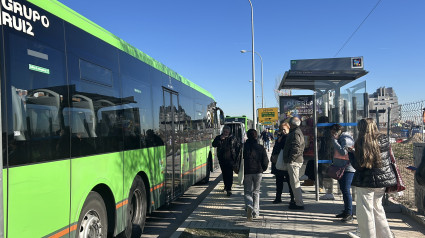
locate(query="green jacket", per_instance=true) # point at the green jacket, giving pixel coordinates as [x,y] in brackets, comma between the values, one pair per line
[294,146]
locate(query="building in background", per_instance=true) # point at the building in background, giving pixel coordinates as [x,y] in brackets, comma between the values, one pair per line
[380,101]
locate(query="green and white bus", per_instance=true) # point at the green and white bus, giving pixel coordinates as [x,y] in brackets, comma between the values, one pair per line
[244,119]
[95,133]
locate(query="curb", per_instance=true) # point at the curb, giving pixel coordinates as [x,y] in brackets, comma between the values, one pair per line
[409,212]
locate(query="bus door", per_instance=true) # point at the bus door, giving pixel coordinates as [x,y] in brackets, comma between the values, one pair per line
[171,124]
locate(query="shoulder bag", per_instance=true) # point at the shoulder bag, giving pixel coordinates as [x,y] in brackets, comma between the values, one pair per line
[241,171]
[280,164]
[336,172]
[399,187]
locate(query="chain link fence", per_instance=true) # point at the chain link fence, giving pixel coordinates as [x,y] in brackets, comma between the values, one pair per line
[404,130]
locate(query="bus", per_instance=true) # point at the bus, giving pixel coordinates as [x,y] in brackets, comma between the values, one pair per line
[95,133]
[244,119]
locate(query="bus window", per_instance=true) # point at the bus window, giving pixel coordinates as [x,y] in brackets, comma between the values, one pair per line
[37,92]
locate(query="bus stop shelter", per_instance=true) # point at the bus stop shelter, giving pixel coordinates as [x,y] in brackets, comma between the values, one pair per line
[326,78]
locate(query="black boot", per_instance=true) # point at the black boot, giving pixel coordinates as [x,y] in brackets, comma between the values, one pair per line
[278,199]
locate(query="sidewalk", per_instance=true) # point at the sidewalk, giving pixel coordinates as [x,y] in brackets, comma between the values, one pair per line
[226,214]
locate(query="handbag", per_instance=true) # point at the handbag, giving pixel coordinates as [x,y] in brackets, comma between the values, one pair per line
[336,172]
[340,156]
[400,186]
[280,164]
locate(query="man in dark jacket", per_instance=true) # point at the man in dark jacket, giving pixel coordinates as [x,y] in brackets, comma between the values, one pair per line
[227,151]
[293,158]
[255,163]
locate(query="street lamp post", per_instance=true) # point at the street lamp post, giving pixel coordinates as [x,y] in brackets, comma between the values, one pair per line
[254,116]
[262,91]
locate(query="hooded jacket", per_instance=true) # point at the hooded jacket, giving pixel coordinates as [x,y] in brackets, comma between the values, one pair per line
[376,177]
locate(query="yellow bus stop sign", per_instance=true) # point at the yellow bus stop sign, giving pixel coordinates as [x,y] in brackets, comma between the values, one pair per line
[267,115]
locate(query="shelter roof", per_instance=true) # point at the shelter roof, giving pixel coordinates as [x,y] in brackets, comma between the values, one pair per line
[322,74]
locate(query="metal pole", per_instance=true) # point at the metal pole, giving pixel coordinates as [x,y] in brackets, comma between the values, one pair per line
[354,115]
[388,123]
[366,105]
[346,115]
[254,116]
[377,117]
[316,155]
[337,101]
[423,123]
[262,91]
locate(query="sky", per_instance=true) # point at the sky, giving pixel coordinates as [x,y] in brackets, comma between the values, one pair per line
[201,40]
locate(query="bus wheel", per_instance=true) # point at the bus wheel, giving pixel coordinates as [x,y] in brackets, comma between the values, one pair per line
[93,221]
[136,208]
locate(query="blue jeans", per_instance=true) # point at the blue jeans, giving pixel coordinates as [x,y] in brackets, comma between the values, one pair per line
[251,185]
[345,186]
[267,144]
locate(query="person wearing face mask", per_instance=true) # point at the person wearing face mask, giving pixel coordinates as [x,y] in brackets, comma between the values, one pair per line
[227,151]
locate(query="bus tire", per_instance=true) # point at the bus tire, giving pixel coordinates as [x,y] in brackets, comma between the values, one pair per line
[93,217]
[136,208]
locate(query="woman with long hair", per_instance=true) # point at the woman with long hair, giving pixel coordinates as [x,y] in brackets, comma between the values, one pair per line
[255,163]
[373,174]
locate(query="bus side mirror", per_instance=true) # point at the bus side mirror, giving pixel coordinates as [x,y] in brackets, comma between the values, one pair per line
[221,116]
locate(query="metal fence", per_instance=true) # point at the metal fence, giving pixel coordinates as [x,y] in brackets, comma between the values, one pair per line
[404,130]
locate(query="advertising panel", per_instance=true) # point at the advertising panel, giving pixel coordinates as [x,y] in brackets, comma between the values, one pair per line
[300,106]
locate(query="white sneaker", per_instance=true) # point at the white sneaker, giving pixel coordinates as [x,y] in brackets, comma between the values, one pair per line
[304,177]
[354,234]
[328,196]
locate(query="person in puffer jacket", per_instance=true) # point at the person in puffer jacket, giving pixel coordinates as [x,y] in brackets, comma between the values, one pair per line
[373,174]
[255,163]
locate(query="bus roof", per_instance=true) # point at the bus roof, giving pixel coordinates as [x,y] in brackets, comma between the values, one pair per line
[67,14]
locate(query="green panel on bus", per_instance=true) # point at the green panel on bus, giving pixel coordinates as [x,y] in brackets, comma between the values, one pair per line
[38,199]
[85,176]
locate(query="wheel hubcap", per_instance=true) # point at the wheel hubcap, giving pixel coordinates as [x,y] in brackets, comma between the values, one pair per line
[91,226]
